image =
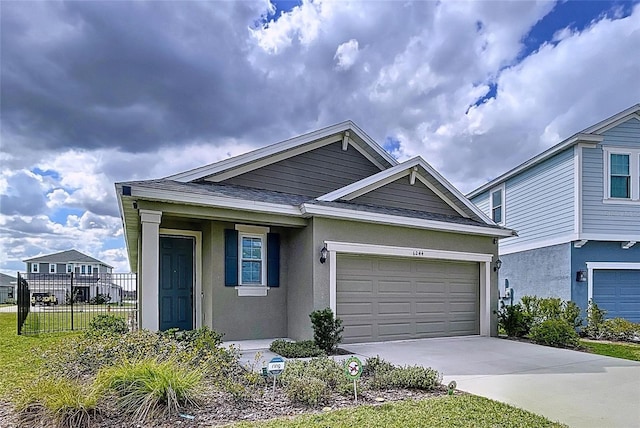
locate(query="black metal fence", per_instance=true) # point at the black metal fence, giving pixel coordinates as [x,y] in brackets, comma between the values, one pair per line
[68,301]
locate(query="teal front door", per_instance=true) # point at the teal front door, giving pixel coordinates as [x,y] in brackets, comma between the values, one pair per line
[176,283]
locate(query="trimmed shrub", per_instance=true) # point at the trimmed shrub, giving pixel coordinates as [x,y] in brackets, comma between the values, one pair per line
[100,299]
[376,365]
[106,325]
[554,332]
[62,401]
[620,329]
[322,376]
[514,321]
[149,388]
[201,338]
[571,313]
[303,349]
[412,377]
[327,330]
[595,321]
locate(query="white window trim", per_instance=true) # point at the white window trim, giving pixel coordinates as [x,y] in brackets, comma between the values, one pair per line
[69,268]
[34,268]
[55,268]
[634,173]
[591,266]
[252,290]
[503,211]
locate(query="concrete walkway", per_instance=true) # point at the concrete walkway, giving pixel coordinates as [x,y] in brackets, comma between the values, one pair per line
[575,388]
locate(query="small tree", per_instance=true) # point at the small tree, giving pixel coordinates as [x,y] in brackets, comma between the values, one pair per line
[327,330]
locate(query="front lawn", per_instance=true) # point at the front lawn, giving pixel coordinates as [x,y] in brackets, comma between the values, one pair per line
[628,351]
[445,411]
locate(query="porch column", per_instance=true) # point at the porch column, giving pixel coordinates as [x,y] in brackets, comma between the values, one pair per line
[149,269]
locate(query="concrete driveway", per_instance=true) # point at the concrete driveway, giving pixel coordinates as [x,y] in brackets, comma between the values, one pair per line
[575,388]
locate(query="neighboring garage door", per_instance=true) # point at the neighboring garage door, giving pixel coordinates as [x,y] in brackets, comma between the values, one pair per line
[381,298]
[618,292]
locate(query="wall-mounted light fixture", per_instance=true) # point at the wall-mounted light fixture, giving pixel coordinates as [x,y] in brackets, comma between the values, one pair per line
[323,254]
[497,265]
[581,276]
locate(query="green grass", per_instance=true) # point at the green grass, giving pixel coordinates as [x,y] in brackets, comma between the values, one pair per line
[445,411]
[59,318]
[21,356]
[628,351]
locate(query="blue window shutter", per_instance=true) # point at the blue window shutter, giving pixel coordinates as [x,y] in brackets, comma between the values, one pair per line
[230,257]
[273,260]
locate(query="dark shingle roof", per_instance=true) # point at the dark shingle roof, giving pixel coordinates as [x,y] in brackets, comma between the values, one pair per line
[68,256]
[252,194]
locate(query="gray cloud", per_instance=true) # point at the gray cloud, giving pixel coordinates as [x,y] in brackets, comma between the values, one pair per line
[24,195]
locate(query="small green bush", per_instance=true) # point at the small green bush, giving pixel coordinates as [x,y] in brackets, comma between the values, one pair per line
[107,325]
[201,338]
[620,329]
[376,365]
[327,330]
[412,377]
[65,402]
[149,388]
[288,349]
[514,321]
[571,313]
[595,321]
[100,299]
[311,382]
[554,332]
[11,301]
[311,391]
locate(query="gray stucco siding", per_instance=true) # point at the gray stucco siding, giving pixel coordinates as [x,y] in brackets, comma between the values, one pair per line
[542,272]
[354,232]
[311,174]
[241,317]
[401,194]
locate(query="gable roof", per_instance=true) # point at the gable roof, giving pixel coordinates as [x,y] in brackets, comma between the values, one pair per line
[415,168]
[347,132]
[69,256]
[590,135]
[7,280]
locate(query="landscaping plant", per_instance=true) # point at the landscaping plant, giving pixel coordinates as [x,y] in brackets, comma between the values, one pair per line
[302,349]
[595,321]
[554,332]
[67,403]
[327,330]
[381,374]
[514,321]
[150,388]
[101,325]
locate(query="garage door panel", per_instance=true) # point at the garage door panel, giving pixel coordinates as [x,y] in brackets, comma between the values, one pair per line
[391,286]
[394,308]
[427,298]
[618,293]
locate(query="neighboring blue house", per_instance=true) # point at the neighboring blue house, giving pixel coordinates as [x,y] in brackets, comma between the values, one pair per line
[576,208]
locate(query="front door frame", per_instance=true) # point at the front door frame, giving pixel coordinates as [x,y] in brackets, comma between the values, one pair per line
[197,271]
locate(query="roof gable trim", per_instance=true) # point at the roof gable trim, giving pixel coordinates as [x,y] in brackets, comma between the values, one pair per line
[284,150]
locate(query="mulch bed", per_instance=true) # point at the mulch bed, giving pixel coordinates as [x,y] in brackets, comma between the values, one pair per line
[218,409]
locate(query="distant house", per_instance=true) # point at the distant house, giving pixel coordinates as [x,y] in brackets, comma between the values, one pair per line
[7,287]
[576,208]
[91,277]
[251,245]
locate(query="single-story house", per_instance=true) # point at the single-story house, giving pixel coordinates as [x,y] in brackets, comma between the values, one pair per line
[576,207]
[7,287]
[251,245]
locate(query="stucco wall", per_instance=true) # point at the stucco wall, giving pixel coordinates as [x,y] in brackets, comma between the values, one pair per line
[355,232]
[300,257]
[543,272]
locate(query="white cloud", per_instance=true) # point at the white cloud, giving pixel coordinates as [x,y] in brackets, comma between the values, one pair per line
[346,54]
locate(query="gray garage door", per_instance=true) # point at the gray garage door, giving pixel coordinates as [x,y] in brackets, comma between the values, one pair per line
[618,292]
[382,298]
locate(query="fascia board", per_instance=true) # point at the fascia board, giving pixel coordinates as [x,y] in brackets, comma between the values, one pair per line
[274,149]
[369,183]
[214,201]
[600,126]
[451,188]
[369,217]
[574,139]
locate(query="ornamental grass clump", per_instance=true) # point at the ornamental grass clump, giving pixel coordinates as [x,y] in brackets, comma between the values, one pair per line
[149,388]
[64,402]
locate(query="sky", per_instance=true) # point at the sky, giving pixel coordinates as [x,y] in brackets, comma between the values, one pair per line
[93,93]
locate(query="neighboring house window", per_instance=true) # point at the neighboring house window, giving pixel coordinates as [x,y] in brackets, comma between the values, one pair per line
[620,180]
[497,205]
[69,268]
[52,268]
[89,269]
[83,269]
[622,174]
[34,267]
